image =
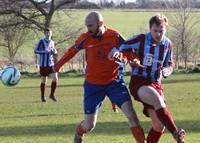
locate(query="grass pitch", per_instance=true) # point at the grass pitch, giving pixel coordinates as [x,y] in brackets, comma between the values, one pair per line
[24,119]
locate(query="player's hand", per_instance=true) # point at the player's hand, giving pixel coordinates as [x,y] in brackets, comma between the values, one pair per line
[165,72]
[135,63]
[114,54]
[48,50]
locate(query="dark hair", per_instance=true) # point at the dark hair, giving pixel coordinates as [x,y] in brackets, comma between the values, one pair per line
[158,19]
[47,29]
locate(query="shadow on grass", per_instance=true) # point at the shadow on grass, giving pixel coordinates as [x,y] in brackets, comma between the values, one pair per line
[180,81]
[80,85]
[107,128]
[40,115]
[48,86]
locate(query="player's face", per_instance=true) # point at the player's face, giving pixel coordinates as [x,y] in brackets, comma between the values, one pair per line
[92,26]
[158,32]
[48,34]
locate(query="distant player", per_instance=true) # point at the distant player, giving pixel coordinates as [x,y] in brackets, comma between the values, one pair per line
[114,108]
[154,50]
[104,76]
[47,57]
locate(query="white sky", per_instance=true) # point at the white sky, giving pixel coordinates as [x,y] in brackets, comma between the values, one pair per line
[129,0]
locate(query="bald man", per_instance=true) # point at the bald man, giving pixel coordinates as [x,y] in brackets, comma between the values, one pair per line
[104,75]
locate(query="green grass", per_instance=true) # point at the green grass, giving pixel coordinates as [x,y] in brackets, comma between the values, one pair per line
[24,119]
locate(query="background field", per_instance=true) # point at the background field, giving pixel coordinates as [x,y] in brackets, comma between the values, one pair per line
[128,22]
[24,119]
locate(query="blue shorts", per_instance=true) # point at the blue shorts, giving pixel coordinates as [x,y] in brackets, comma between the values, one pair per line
[95,94]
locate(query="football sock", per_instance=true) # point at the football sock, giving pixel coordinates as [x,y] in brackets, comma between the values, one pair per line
[153,136]
[138,134]
[80,129]
[114,106]
[166,118]
[53,87]
[42,88]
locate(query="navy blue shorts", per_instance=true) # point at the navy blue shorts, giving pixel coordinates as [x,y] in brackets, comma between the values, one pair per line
[94,95]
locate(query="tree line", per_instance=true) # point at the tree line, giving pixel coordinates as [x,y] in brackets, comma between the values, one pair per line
[18,18]
[140,4]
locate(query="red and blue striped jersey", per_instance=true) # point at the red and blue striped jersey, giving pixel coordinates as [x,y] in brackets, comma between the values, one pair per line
[153,56]
[46,51]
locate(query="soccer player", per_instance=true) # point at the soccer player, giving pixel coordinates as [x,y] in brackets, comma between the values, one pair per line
[154,51]
[114,108]
[104,76]
[47,57]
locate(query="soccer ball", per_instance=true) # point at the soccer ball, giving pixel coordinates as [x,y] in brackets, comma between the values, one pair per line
[10,76]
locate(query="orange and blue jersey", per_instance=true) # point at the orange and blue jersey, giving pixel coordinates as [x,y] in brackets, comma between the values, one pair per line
[153,56]
[99,69]
[46,58]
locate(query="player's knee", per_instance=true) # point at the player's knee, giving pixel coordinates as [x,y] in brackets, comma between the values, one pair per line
[44,81]
[159,104]
[130,114]
[55,80]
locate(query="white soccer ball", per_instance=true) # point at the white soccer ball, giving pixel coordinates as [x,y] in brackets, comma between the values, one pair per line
[10,76]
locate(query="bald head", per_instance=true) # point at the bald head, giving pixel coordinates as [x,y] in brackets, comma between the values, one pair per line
[94,22]
[94,16]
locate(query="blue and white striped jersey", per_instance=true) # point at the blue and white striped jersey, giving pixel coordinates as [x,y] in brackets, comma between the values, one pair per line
[46,51]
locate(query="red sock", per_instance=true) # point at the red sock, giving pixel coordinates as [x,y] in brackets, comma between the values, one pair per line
[80,129]
[114,106]
[153,136]
[42,89]
[138,134]
[166,118]
[53,87]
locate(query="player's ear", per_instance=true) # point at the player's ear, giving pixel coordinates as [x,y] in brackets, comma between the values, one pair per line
[101,23]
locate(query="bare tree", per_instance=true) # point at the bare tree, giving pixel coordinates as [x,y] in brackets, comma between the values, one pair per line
[142,3]
[35,15]
[185,30]
[12,37]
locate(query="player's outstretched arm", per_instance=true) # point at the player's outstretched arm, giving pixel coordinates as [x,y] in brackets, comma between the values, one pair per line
[36,51]
[132,58]
[114,54]
[70,53]
[167,68]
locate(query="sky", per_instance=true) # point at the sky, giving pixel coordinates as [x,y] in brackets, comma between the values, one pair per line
[129,0]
